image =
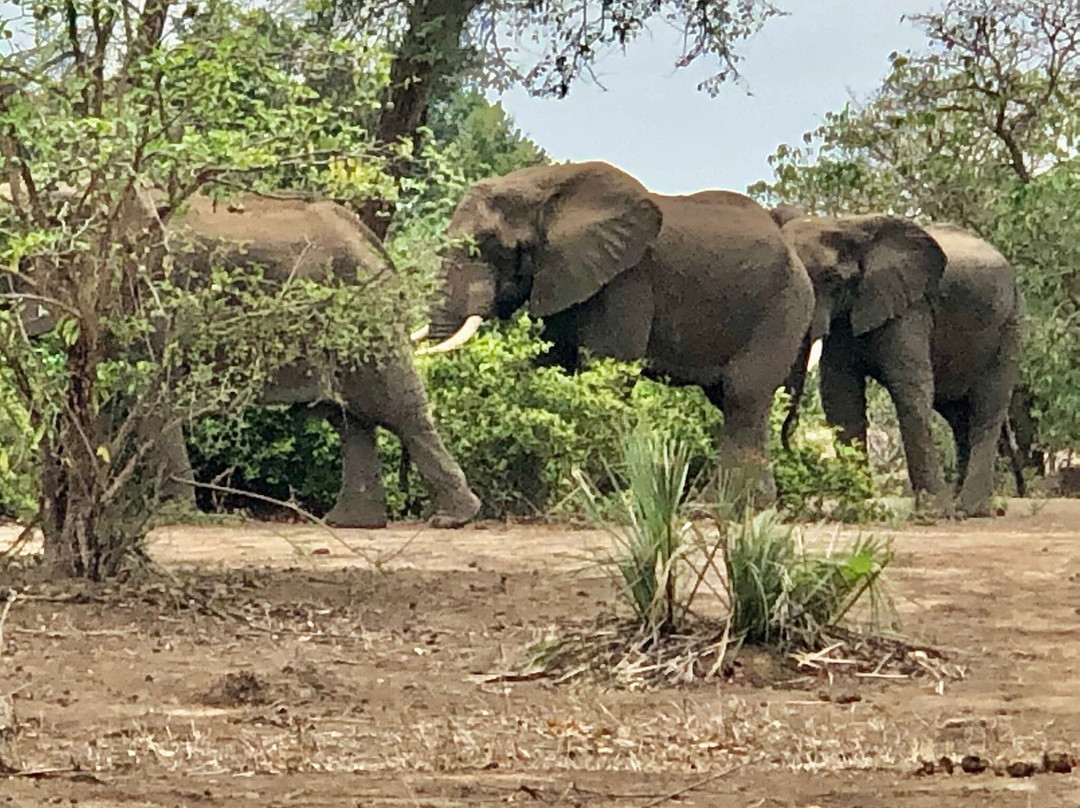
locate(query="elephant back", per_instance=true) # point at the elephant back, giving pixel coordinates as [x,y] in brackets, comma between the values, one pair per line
[978,287]
[286,237]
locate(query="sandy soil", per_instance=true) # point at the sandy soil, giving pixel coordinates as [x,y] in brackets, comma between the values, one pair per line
[281,669]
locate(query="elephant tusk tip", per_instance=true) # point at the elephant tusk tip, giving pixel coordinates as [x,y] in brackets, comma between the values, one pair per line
[464,334]
[420,334]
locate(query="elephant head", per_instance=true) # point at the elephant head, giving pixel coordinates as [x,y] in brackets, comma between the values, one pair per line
[867,269]
[549,236]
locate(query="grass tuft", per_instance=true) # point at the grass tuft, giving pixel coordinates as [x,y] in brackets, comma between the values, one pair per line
[776,594]
[647,524]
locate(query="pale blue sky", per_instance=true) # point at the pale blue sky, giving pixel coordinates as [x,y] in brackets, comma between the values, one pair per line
[653,122]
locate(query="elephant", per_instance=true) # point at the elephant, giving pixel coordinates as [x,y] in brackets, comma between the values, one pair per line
[701,287]
[933,314]
[300,238]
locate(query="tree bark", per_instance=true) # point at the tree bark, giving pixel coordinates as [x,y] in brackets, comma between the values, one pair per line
[430,53]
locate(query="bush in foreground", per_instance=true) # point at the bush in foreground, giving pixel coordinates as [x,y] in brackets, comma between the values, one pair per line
[771,591]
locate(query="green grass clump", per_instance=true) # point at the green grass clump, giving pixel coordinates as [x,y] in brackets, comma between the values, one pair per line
[647,524]
[778,594]
[781,595]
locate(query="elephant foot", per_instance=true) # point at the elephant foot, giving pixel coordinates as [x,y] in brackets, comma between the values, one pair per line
[357,512]
[456,514]
[931,508]
[975,508]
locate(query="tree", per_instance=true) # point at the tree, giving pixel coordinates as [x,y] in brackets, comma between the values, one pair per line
[979,129]
[96,103]
[439,43]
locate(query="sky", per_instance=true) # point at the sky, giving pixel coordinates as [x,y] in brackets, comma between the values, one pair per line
[653,122]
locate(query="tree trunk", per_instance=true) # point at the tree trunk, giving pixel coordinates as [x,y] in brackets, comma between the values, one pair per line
[430,53]
[83,537]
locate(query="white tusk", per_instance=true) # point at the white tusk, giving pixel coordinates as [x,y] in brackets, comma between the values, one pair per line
[420,333]
[815,355]
[464,334]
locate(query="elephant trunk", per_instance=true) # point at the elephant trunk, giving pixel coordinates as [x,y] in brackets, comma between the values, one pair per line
[793,386]
[466,297]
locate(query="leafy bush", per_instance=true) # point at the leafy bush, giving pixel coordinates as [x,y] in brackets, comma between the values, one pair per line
[517,429]
[18,482]
[276,451]
[778,594]
[820,477]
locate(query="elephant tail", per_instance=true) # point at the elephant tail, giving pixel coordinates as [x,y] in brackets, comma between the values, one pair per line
[403,475]
[1012,448]
[793,386]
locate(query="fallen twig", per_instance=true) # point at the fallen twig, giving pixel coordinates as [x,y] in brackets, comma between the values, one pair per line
[10,596]
[42,774]
[693,786]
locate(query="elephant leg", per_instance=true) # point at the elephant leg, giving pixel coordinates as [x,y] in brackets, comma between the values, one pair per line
[168,457]
[361,500]
[903,346]
[744,470]
[958,416]
[843,395]
[400,404]
[989,407]
[745,395]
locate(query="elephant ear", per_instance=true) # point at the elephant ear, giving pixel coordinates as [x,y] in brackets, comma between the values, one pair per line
[900,264]
[597,224]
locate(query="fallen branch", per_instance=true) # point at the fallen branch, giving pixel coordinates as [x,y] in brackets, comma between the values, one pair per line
[10,596]
[306,514]
[674,795]
[42,774]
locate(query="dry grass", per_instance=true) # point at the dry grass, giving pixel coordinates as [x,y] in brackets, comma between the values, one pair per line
[580,736]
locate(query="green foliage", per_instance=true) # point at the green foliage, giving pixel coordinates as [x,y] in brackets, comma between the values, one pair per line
[649,533]
[80,136]
[784,596]
[18,484]
[820,477]
[778,594]
[480,136]
[517,429]
[276,451]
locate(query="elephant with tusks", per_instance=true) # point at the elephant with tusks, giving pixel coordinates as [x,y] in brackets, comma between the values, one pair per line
[932,313]
[702,287]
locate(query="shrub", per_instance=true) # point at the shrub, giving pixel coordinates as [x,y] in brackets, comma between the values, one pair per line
[19,486]
[778,594]
[516,429]
[821,477]
[648,528]
[276,451]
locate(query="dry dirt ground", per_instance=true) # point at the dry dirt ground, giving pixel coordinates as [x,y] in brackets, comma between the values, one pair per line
[280,670]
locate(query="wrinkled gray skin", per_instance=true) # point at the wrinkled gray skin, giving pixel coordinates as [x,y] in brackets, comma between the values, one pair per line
[703,287]
[932,314]
[301,238]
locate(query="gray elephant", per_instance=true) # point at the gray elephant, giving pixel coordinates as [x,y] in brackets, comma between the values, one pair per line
[934,315]
[297,238]
[702,287]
